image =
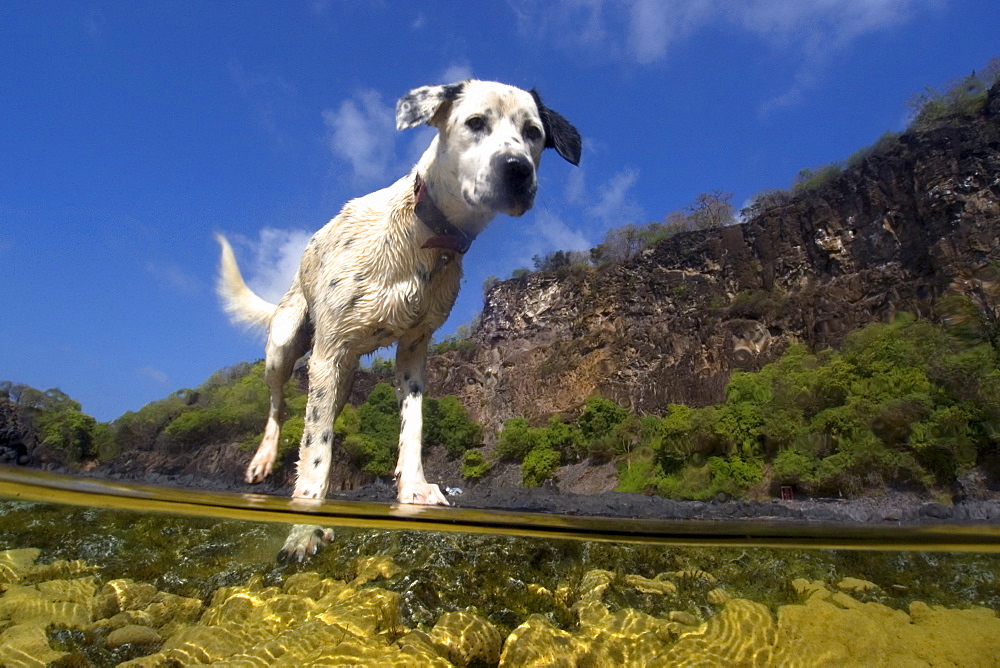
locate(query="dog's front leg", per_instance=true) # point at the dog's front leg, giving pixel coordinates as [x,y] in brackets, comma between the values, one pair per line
[331,374]
[411,362]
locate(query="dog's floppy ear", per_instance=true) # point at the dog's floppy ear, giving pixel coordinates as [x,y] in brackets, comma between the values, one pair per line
[559,133]
[423,105]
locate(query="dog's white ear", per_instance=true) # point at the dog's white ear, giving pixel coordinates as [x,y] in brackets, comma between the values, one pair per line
[425,105]
[559,133]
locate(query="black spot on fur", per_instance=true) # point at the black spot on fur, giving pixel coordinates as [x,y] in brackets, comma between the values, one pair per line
[318,393]
[315,414]
[309,440]
[421,104]
[351,303]
[317,462]
[327,435]
[334,282]
[415,389]
[360,276]
[348,242]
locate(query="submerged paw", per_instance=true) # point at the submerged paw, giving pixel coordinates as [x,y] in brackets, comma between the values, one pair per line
[303,541]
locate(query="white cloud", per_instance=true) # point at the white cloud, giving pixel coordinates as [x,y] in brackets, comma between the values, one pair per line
[363,134]
[456,72]
[275,257]
[655,24]
[154,374]
[546,233]
[556,234]
[644,30]
[616,206]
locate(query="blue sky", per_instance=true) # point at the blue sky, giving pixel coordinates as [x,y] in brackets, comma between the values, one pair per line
[130,131]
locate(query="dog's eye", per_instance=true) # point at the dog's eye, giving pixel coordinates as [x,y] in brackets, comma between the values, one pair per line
[476,123]
[532,133]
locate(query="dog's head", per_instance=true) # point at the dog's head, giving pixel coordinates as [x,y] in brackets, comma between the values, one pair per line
[490,140]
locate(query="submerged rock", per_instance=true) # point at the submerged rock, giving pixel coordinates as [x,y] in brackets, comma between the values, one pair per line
[309,619]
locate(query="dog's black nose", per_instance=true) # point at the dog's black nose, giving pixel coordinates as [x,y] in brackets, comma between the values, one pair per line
[515,171]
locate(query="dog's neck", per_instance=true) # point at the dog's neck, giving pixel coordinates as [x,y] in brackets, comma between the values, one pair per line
[446,235]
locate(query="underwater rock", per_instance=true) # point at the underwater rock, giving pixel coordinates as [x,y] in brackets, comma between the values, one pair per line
[26,604]
[683,617]
[312,585]
[132,634]
[15,563]
[717,596]
[741,634]
[807,589]
[121,595]
[26,645]
[537,642]
[250,625]
[60,569]
[658,585]
[167,613]
[464,637]
[876,635]
[373,568]
[593,584]
[694,574]
[856,585]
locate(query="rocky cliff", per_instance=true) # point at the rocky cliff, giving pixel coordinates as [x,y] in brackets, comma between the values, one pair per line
[893,232]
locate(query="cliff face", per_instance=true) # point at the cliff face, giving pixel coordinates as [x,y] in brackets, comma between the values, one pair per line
[892,233]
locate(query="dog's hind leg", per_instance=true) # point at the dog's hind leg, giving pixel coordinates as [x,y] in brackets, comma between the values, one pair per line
[287,341]
[411,362]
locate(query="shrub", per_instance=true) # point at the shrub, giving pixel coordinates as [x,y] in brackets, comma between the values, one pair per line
[565,437]
[754,304]
[70,431]
[734,475]
[446,423]
[600,416]
[792,467]
[377,440]
[474,465]
[636,475]
[516,440]
[539,465]
[809,179]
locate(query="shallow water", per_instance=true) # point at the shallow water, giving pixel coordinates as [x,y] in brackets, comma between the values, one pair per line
[101,574]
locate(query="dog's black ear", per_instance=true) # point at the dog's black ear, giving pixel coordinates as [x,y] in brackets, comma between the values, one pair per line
[422,105]
[559,133]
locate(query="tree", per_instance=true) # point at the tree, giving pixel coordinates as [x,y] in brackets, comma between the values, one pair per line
[711,210]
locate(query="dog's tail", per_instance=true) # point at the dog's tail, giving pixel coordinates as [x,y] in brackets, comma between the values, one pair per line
[243,306]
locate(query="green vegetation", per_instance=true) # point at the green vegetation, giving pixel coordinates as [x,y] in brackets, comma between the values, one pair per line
[59,420]
[232,406]
[964,97]
[475,465]
[908,404]
[905,404]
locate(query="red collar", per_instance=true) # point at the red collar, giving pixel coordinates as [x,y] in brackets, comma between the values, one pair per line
[446,235]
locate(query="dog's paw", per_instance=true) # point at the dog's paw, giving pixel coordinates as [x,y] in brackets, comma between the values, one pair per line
[303,541]
[259,468]
[424,494]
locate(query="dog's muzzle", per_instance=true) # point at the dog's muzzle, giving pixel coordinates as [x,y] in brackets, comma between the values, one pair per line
[515,183]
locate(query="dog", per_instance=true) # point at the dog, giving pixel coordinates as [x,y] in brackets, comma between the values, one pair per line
[387,270]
